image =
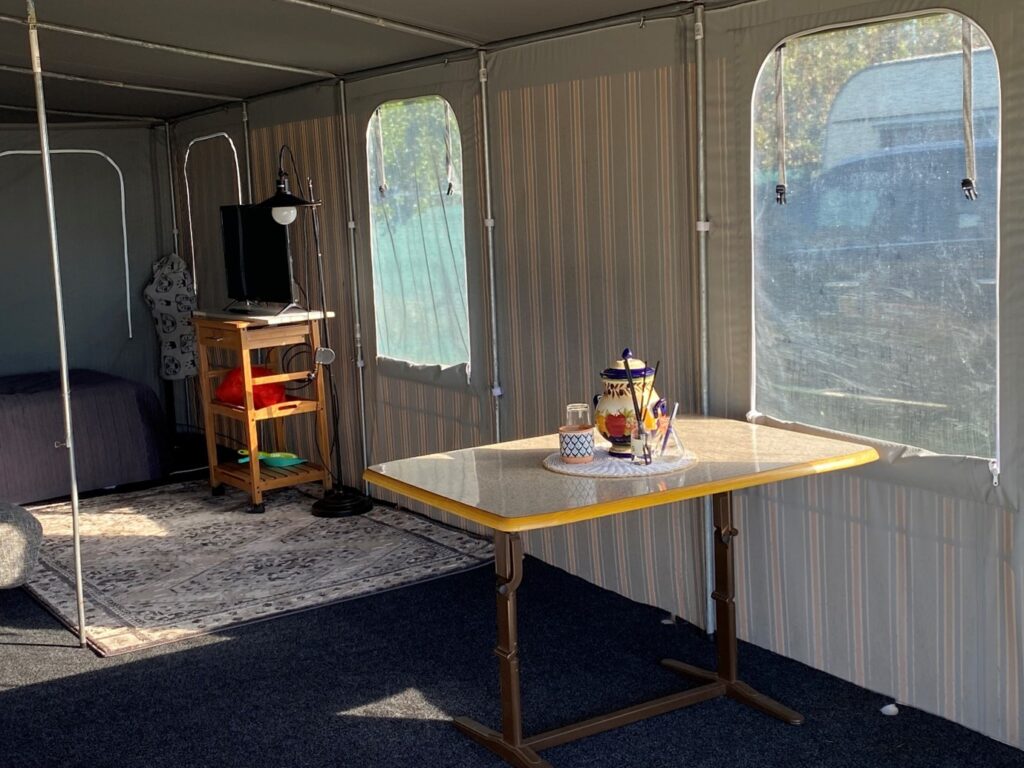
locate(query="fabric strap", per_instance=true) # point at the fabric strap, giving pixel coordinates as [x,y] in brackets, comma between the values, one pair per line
[780,126]
[968,185]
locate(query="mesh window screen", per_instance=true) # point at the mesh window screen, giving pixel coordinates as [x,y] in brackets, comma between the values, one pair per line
[875,275]
[414,156]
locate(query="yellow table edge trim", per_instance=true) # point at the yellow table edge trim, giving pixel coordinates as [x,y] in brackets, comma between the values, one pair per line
[592,511]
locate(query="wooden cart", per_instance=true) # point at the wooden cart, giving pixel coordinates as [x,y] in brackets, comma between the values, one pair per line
[242,336]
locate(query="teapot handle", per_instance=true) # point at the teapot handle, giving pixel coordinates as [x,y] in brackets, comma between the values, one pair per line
[597,398]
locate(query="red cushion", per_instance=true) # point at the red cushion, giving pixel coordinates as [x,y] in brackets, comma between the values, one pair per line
[232,389]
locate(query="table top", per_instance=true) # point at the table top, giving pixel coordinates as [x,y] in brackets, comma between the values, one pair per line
[505,487]
[240,320]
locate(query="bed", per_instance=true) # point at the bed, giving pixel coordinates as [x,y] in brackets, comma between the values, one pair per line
[118,429]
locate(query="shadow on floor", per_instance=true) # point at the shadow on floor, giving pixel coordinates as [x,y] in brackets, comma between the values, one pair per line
[373,682]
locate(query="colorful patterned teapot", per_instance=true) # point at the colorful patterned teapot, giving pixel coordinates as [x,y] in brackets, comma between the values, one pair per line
[615,415]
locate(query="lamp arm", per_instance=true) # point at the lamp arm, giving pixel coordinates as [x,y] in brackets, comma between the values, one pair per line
[281,172]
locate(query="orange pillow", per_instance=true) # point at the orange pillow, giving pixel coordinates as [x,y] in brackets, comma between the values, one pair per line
[232,391]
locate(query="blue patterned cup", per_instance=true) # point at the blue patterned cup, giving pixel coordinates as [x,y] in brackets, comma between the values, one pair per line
[576,444]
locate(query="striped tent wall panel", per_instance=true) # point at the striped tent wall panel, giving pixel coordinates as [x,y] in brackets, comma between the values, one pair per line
[900,590]
[596,254]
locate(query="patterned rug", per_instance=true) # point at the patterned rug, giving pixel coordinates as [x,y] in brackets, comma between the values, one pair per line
[174,562]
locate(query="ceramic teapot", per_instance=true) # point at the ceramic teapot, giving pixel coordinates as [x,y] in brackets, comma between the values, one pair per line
[614,413]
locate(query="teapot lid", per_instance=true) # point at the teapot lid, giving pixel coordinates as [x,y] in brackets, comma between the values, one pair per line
[637,367]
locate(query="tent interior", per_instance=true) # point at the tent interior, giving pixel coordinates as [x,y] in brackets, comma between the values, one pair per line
[802,216]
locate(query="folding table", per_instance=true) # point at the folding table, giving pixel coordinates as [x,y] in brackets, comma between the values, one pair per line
[505,487]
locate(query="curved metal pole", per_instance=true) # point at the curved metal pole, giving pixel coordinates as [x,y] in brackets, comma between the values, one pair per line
[496,391]
[111,116]
[188,194]
[124,218]
[357,328]
[51,215]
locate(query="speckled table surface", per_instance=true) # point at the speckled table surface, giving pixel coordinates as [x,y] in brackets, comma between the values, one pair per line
[504,486]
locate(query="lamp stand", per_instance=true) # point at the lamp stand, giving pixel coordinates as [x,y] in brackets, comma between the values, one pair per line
[341,500]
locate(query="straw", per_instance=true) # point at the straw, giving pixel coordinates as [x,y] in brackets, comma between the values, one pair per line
[632,390]
[650,391]
[668,431]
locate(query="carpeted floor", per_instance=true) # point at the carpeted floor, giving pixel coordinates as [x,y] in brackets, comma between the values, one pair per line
[373,682]
[172,562]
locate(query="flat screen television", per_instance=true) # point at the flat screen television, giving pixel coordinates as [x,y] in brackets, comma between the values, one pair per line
[256,255]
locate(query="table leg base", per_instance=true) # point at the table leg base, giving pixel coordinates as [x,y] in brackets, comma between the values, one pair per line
[739,691]
[519,756]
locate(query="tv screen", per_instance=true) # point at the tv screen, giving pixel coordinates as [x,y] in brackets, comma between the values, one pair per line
[256,255]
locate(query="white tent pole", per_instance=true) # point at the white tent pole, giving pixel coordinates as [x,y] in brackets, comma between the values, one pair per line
[51,213]
[170,186]
[496,391]
[192,52]
[356,311]
[121,84]
[703,229]
[384,23]
[248,151]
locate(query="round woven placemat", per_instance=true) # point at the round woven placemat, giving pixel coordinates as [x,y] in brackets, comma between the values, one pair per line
[604,465]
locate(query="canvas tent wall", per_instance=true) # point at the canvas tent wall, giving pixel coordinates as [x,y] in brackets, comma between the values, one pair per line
[87,188]
[907,577]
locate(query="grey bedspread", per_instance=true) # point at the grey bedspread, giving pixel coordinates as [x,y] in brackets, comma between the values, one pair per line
[118,429]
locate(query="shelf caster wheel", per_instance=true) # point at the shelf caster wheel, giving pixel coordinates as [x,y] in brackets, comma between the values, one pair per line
[256,509]
[217,490]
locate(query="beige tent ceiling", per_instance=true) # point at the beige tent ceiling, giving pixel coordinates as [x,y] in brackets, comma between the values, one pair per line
[306,35]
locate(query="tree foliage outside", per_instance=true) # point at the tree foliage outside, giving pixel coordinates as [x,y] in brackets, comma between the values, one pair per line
[417,232]
[817,66]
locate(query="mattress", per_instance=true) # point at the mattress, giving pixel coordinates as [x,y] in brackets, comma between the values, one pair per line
[118,427]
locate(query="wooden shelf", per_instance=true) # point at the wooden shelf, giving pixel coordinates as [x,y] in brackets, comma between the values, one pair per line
[241,338]
[291,407]
[240,475]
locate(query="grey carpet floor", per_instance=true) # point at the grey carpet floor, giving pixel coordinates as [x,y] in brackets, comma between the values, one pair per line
[374,682]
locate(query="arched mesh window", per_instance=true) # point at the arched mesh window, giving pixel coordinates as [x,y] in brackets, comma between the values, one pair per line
[418,239]
[875,274]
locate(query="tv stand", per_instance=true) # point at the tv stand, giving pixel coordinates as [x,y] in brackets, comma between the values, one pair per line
[240,338]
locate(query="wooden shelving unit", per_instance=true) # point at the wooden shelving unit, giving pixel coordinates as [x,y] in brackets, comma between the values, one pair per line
[242,336]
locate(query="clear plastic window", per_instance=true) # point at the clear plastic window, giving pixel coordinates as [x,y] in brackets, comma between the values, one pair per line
[417,230]
[875,298]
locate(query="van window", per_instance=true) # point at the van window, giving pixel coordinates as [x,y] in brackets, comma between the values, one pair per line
[875,289]
[417,232]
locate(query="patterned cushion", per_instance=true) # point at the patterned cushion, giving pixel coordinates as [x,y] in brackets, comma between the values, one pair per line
[20,537]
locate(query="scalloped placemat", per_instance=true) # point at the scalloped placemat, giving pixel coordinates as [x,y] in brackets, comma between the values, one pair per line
[604,465]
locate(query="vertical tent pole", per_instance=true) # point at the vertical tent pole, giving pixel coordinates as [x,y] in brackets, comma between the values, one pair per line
[248,153]
[703,228]
[68,444]
[357,328]
[496,390]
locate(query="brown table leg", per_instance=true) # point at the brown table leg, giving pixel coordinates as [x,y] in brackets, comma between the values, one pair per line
[508,563]
[521,752]
[724,596]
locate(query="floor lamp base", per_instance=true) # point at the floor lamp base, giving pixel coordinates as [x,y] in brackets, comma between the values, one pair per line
[342,502]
